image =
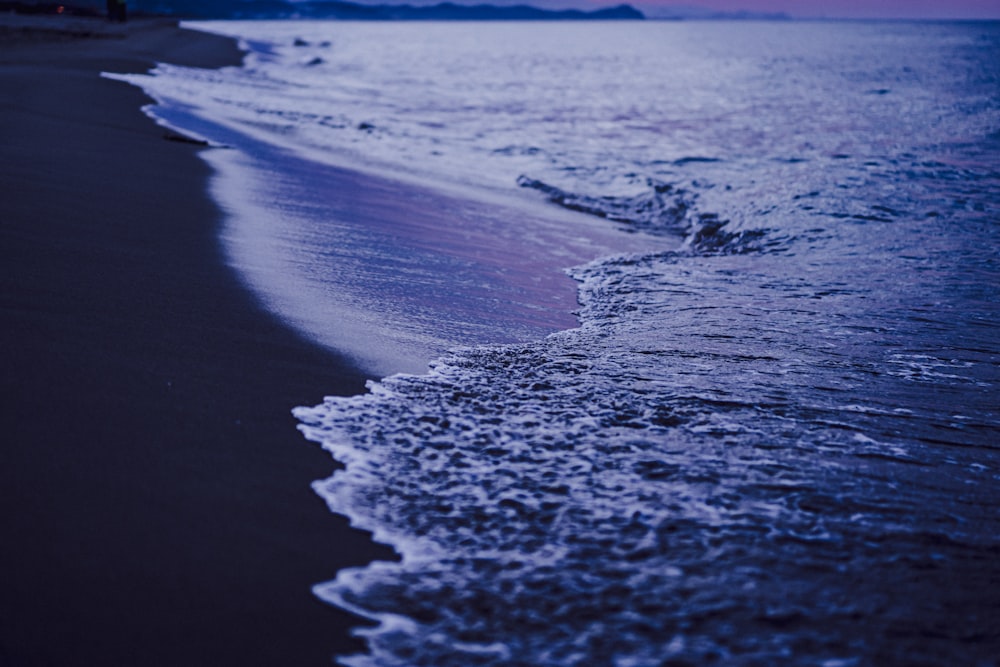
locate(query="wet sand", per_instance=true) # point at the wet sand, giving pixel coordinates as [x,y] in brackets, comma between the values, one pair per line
[155,492]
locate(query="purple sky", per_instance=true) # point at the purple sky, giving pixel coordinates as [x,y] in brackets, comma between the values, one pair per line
[959,9]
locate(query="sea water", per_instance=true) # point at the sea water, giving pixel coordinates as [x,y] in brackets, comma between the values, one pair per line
[773,436]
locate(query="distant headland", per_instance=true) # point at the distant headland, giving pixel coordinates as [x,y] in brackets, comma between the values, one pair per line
[338,9]
[361,11]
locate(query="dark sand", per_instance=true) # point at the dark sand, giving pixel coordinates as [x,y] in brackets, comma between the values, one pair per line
[155,496]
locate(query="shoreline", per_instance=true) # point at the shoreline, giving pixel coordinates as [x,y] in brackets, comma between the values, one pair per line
[387,267]
[157,496]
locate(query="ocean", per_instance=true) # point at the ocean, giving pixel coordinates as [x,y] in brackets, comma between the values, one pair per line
[689,332]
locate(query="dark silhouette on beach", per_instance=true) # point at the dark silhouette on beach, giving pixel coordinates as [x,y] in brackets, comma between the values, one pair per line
[117,11]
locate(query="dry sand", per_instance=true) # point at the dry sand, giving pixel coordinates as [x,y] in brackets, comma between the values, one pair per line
[155,496]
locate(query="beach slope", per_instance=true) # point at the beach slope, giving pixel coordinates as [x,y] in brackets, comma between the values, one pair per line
[155,496]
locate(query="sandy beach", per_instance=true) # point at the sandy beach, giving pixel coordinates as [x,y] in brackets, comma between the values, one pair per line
[155,492]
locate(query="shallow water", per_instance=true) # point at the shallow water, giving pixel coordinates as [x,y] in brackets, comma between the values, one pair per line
[774,436]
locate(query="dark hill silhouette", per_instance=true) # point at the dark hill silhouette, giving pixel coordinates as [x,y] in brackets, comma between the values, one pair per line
[336,9]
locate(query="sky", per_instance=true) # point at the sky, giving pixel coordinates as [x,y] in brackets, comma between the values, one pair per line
[955,9]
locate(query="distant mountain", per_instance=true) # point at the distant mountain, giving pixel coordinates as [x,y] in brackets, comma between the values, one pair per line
[336,9]
[687,12]
[449,11]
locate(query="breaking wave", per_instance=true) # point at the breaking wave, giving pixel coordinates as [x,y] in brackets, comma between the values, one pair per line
[663,209]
